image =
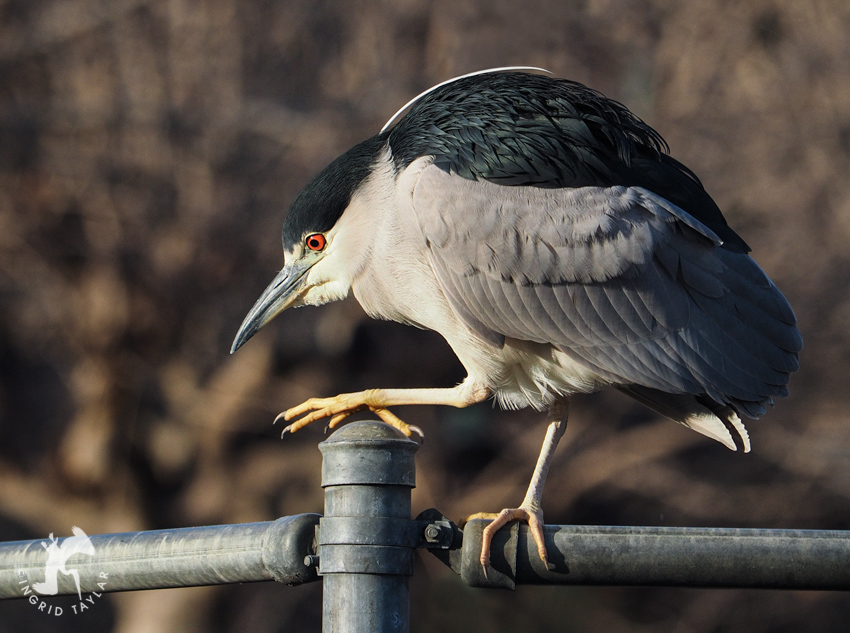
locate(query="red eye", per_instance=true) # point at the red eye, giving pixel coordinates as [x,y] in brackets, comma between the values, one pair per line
[316,242]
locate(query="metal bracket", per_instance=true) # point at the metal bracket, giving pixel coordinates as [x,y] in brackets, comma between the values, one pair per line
[435,531]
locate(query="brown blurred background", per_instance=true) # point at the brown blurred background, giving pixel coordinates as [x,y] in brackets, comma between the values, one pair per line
[148,152]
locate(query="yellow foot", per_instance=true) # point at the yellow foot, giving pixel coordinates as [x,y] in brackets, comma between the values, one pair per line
[340,407]
[534,519]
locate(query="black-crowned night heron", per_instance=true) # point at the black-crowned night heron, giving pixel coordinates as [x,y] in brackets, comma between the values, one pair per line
[545,232]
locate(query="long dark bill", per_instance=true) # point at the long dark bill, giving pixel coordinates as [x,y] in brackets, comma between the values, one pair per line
[278,296]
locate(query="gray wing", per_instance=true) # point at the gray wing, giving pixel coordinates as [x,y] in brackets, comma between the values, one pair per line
[618,278]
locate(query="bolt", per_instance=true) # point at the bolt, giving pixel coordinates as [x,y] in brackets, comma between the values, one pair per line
[432,533]
[311,560]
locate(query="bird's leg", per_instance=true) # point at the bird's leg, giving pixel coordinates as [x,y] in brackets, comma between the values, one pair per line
[377,400]
[530,509]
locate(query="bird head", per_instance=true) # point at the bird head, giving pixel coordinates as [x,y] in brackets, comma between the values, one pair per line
[321,256]
[327,232]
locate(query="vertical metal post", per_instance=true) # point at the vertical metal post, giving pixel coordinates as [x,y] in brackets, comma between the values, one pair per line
[365,545]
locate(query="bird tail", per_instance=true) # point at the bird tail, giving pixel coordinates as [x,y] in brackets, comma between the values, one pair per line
[713,420]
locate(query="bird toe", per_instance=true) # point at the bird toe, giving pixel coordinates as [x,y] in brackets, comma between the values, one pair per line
[531,516]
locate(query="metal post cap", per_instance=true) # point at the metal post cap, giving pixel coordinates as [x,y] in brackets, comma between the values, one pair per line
[368,453]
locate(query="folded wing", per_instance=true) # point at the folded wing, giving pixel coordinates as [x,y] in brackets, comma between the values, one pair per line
[618,278]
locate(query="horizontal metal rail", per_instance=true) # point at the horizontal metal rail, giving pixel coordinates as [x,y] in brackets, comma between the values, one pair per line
[578,555]
[248,552]
[657,556]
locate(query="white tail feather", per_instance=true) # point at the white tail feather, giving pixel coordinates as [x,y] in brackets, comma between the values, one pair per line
[684,409]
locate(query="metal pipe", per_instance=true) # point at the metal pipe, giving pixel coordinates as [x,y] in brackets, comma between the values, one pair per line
[659,556]
[249,552]
[366,543]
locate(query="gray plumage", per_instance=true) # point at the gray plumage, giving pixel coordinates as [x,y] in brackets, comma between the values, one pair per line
[618,278]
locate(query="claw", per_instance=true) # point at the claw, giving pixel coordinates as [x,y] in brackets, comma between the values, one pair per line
[418,431]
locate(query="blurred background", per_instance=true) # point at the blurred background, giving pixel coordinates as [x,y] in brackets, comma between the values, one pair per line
[148,152]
